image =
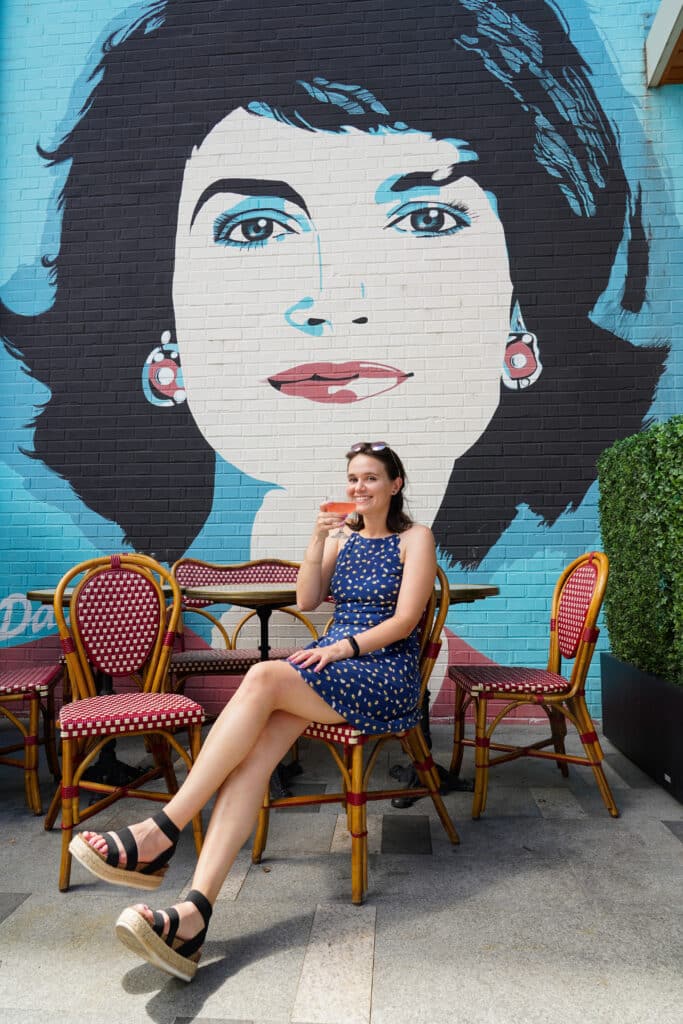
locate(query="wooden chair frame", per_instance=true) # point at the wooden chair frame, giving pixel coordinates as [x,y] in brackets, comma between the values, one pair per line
[79,754]
[40,707]
[356,770]
[567,705]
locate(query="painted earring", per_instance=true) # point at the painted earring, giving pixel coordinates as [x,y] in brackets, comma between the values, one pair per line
[521,363]
[162,375]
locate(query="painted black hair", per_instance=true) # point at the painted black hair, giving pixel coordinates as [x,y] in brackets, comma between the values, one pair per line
[503,76]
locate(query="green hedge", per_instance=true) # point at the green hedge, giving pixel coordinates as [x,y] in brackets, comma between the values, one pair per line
[641,520]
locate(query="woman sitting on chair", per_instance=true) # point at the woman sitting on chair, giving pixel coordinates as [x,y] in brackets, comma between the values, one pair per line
[364,671]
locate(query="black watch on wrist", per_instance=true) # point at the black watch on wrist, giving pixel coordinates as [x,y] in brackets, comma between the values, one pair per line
[354,643]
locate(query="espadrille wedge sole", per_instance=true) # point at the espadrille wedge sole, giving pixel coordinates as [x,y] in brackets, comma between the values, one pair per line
[136,874]
[175,956]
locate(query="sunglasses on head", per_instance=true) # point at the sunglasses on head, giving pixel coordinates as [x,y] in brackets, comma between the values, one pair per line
[375,446]
[371,446]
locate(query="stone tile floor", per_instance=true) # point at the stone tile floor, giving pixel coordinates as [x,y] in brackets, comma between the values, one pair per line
[549,911]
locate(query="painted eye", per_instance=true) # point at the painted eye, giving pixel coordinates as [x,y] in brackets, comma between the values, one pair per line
[257,230]
[248,232]
[430,220]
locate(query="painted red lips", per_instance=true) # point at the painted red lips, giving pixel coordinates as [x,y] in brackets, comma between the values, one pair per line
[338,383]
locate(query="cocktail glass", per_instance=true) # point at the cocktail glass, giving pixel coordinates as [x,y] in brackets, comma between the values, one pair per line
[340,508]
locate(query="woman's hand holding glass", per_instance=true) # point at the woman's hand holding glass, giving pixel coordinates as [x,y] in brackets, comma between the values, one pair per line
[333,515]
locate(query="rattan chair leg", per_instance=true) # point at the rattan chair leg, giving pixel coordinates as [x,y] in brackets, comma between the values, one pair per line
[347,752]
[54,808]
[458,731]
[161,754]
[31,738]
[261,834]
[429,777]
[364,810]
[594,752]
[67,813]
[481,759]
[359,837]
[194,744]
[50,736]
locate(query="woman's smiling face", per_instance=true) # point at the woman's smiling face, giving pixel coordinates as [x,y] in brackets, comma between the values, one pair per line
[325,281]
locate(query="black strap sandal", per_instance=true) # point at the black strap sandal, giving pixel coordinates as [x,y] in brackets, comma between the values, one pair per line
[175,956]
[107,868]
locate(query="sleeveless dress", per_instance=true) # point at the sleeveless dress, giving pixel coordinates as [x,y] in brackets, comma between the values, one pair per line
[377,692]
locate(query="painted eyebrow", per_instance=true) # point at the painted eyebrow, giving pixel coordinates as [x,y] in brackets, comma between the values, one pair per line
[250,187]
[425,179]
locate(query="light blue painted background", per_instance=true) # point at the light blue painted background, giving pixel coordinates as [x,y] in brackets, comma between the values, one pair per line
[47,50]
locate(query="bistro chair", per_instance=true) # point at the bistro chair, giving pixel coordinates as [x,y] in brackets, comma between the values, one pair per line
[28,692]
[230,659]
[122,625]
[346,745]
[576,604]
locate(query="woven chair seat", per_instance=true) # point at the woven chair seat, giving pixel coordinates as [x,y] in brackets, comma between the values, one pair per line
[487,680]
[128,712]
[344,734]
[216,661]
[30,679]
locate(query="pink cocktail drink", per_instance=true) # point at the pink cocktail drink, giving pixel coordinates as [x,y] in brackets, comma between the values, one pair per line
[340,508]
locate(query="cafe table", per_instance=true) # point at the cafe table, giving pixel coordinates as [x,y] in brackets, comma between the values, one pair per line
[263,598]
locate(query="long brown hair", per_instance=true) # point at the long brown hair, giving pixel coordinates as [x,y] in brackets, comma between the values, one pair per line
[398,520]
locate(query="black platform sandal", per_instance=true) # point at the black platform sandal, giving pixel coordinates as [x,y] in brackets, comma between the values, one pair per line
[106,868]
[178,957]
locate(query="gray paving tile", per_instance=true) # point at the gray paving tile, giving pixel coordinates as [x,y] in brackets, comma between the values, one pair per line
[336,975]
[210,1020]
[341,841]
[492,966]
[9,901]
[627,770]
[676,827]
[557,802]
[410,834]
[293,834]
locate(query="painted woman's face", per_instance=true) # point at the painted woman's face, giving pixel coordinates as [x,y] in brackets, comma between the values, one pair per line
[331,287]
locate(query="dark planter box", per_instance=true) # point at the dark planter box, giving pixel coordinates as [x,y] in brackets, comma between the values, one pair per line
[642,715]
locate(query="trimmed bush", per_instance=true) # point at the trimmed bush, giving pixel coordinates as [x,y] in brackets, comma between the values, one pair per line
[641,520]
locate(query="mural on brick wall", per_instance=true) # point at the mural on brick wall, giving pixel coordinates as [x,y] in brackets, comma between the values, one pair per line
[278,229]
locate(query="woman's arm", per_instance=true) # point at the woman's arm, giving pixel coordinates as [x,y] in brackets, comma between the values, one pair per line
[315,572]
[419,570]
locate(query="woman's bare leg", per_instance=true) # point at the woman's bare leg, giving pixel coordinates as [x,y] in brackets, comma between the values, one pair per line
[266,688]
[234,815]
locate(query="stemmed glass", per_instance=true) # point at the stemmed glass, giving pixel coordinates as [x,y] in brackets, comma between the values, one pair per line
[340,508]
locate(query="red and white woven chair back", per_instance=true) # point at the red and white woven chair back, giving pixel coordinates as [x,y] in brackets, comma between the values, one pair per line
[118,614]
[575,602]
[193,573]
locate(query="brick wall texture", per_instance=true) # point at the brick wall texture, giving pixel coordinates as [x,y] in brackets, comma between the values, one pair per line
[238,238]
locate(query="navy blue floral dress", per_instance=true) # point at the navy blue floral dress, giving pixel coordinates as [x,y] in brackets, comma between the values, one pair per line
[377,692]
